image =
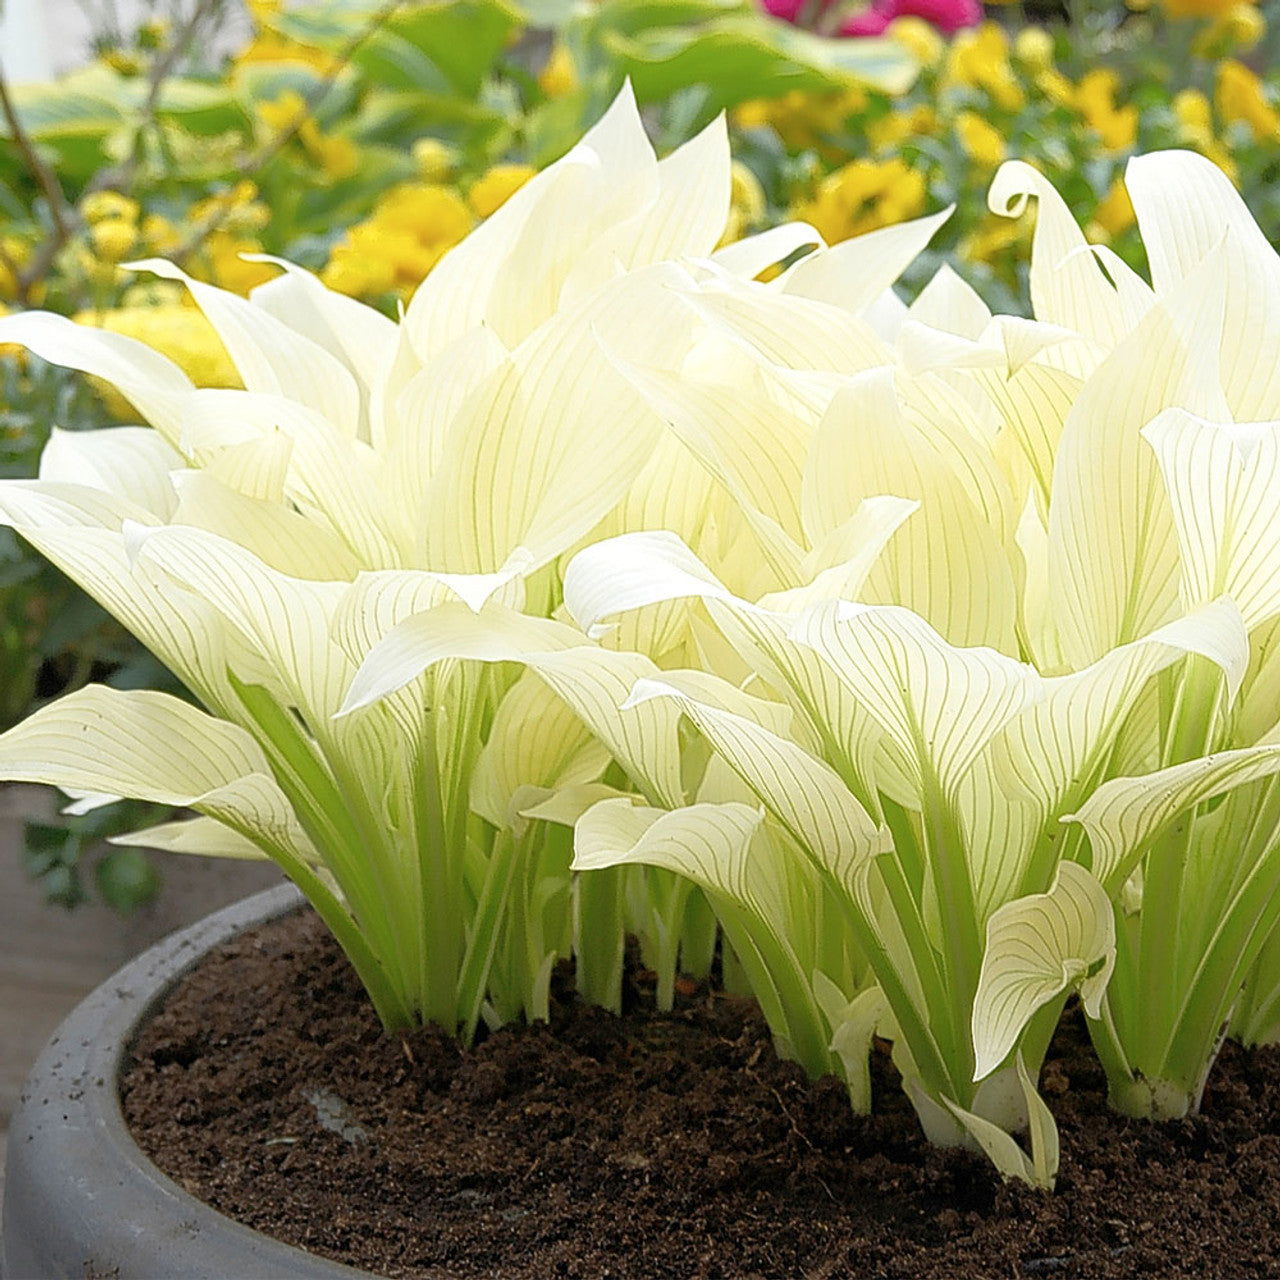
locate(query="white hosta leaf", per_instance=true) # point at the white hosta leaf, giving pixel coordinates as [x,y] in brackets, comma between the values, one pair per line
[78,529]
[418,424]
[1113,554]
[1223,481]
[332,479]
[853,274]
[1031,767]
[946,562]
[139,743]
[938,703]
[853,1027]
[278,535]
[748,257]
[790,331]
[258,468]
[271,357]
[631,571]
[358,335]
[203,837]
[536,741]
[1183,203]
[950,304]
[1038,947]
[645,568]
[737,424]
[708,843]
[1188,211]
[150,381]
[1124,815]
[565,805]
[526,463]
[512,270]
[452,631]
[1041,1169]
[133,463]
[1068,285]
[805,794]
[285,619]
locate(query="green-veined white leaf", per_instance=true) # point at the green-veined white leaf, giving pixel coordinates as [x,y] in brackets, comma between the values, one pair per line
[1036,948]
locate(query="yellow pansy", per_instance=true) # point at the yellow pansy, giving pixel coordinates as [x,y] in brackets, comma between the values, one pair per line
[1096,103]
[979,59]
[983,143]
[558,75]
[1114,213]
[890,130]
[1240,98]
[1238,30]
[804,120]
[494,188]
[861,196]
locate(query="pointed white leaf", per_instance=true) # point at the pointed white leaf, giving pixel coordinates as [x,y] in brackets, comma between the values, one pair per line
[1038,947]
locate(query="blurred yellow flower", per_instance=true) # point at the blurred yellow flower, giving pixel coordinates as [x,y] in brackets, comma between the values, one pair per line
[747,205]
[335,156]
[983,143]
[179,332]
[1056,87]
[1033,48]
[804,120]
[434,160]
[159,234]
[1238,30]
[10,349]
[994,237]
[919,38]
[1114,213]
[1196,8]
[861,196]
[979,59]
[494,188]
[113,238]
[101,206]
[899,125]
[1096,103]
[558,75]
[13,253]
[220,262]
[412,227]
[1239,96]
[267,46]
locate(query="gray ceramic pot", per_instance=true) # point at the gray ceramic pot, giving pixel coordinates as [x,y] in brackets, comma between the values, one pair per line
[80,1197]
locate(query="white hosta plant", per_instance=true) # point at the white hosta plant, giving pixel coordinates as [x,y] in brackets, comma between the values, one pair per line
[260,541]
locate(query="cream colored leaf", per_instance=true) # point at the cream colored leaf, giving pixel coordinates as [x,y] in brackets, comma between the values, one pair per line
[1036,948]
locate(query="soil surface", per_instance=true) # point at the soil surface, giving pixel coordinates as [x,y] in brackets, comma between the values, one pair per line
[654,1146]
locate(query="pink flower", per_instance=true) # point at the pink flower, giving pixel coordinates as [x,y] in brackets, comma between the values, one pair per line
[947,15]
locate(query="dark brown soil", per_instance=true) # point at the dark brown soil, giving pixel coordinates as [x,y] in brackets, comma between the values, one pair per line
[658,1146]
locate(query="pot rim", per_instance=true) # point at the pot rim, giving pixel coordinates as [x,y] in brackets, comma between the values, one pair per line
[81,1198]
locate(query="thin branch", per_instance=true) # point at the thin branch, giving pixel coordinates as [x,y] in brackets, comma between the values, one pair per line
[58,207]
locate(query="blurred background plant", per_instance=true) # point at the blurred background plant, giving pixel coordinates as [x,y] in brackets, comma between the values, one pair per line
[364,139]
